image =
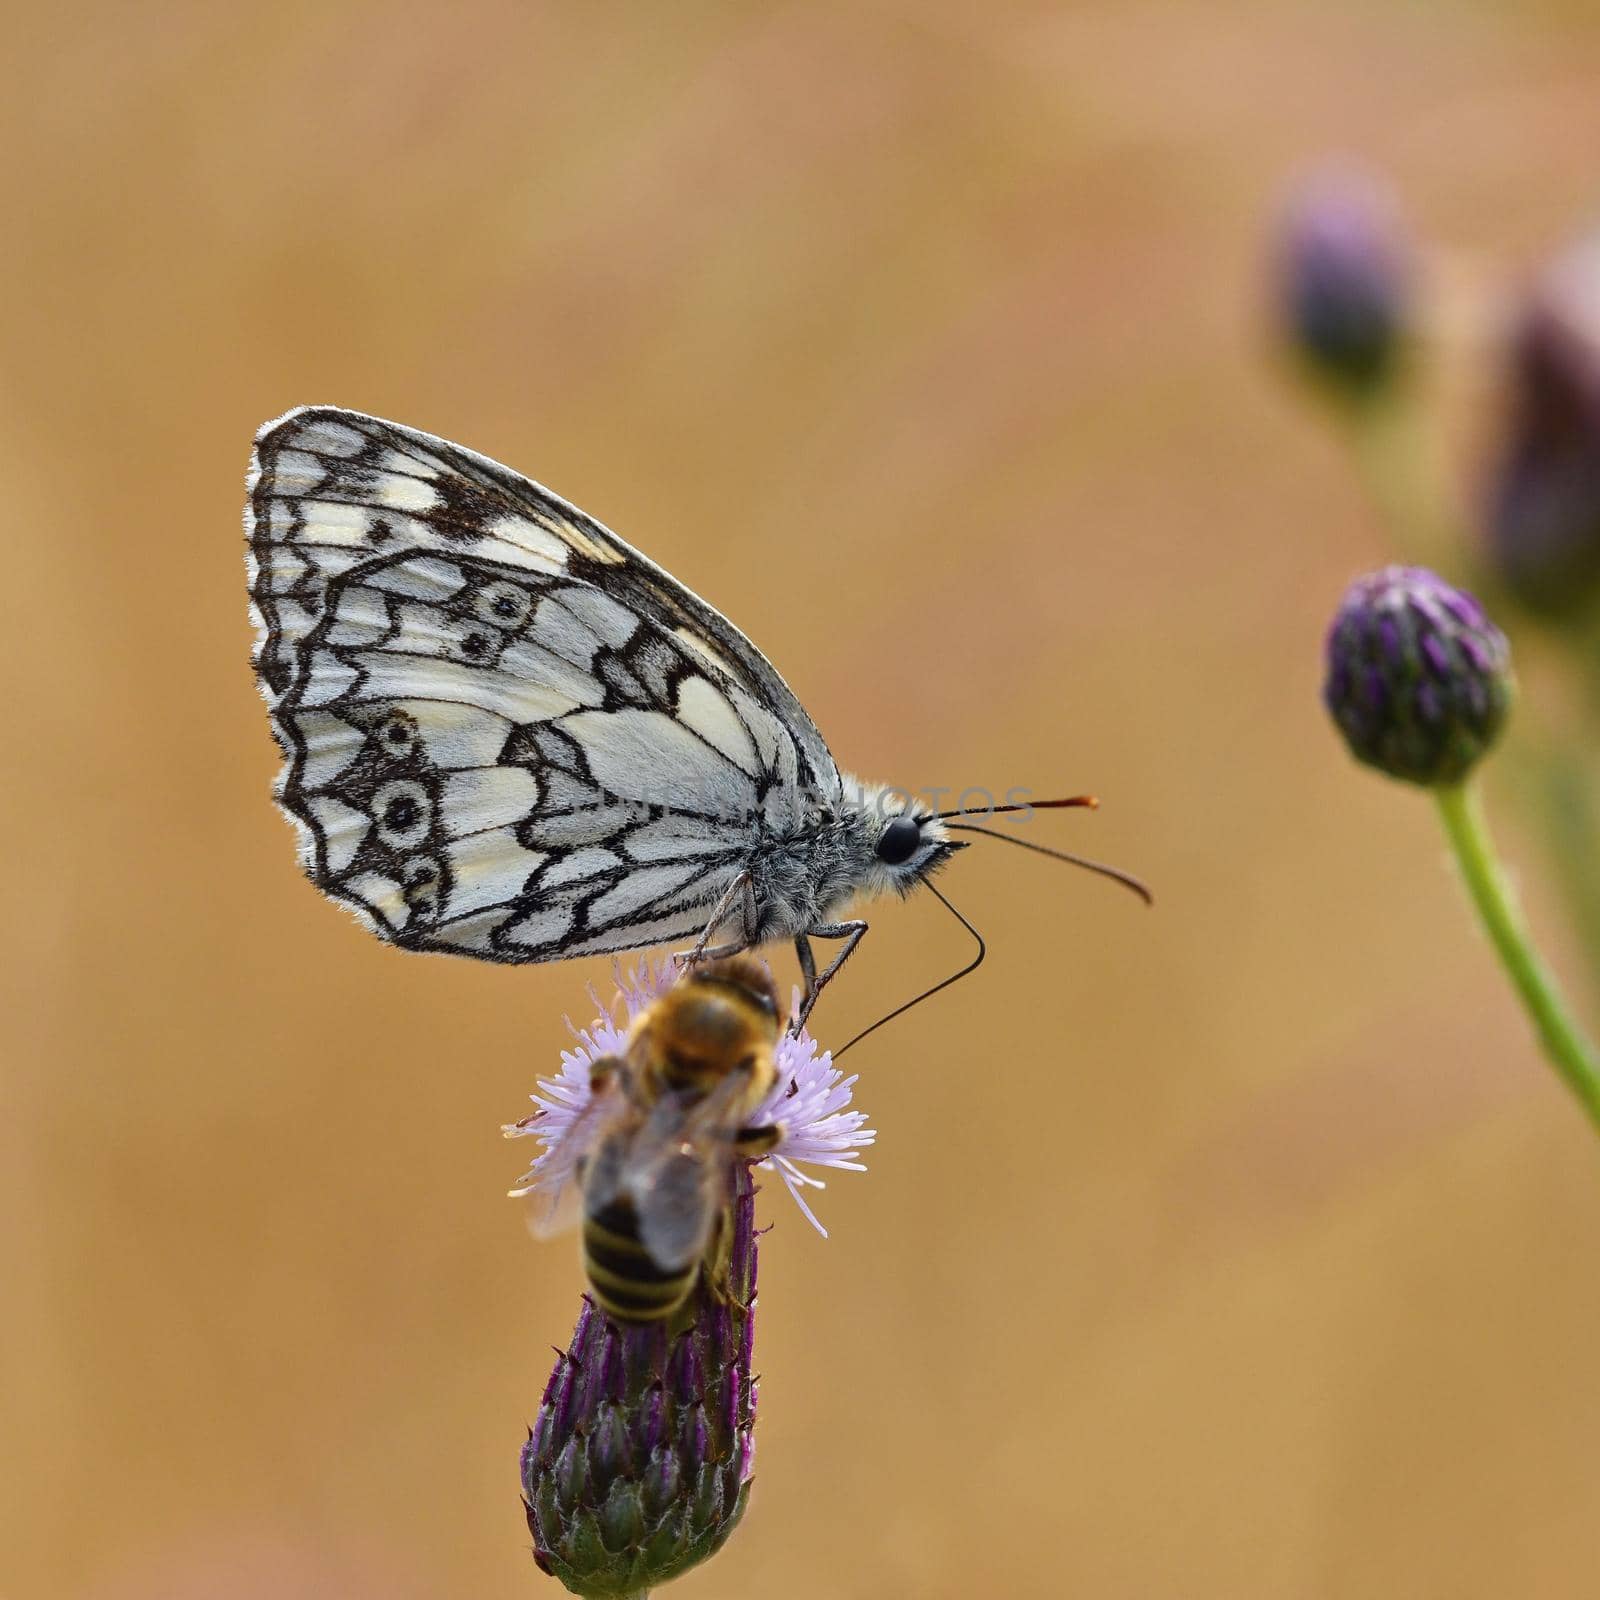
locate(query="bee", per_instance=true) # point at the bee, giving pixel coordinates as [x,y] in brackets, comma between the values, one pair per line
[671,1116]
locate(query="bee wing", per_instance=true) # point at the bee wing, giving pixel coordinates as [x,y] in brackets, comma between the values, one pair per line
[555,1201]
[677,1213]
[551,1212]
[678,1176]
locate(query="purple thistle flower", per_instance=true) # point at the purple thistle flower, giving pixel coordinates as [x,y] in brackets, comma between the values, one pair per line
[1345,280]
[1544,498]
[810,1099]
[1418,677]
[639,1463]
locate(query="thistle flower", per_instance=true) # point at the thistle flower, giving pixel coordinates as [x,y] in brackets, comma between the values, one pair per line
[638,1465]
[1418,678]
[1345,281]
[1419,682]
[1544,497]
[810,1098]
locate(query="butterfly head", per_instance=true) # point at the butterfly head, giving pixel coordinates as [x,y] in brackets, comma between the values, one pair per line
[907,845]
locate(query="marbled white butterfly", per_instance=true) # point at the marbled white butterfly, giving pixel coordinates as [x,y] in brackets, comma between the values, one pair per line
[509,735]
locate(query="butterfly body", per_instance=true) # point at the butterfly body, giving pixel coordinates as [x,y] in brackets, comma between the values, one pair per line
[510,735]
[808,873]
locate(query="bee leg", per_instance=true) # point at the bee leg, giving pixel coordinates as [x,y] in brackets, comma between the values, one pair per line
[604,1071]
[754,1143]
[715,1265]
[851,932]
[743,889]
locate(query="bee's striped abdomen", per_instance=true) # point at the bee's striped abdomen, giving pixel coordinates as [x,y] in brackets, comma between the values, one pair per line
[627,1283]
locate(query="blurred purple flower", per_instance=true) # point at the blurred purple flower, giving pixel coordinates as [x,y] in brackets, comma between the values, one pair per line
[1345,275]
[1418,678]
[810,1099]
[1544,497]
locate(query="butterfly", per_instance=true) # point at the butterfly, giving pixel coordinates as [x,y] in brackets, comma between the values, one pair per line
[508,734]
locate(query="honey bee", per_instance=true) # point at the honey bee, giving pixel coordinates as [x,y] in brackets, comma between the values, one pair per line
[671,1116]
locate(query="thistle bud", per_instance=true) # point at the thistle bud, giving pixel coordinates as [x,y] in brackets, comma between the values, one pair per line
[1544,498]
[638,1465]
[1345,282]
[1418,678]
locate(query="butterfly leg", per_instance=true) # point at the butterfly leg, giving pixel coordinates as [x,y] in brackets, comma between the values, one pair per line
[743,889]
[851,932]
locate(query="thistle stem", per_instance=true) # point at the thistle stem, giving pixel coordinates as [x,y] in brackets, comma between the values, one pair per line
[1397,460]
[1564,1041]
[1566,777]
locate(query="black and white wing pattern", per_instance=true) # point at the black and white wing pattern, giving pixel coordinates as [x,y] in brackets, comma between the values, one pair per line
[506,732]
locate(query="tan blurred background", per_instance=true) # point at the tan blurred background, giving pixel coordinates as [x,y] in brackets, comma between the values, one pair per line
[1242,1248]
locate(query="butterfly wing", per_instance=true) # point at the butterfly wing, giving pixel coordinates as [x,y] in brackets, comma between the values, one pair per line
[329,488]
[507,734]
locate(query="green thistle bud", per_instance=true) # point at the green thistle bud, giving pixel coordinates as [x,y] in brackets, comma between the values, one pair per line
[638,1466]
[1419,679]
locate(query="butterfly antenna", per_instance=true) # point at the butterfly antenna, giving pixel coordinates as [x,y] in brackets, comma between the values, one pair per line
[1116,874]
[1088,802]
[971,966]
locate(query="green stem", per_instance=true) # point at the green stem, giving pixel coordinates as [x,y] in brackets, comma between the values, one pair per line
[1564,1042]
[1566,781]
[1397,458]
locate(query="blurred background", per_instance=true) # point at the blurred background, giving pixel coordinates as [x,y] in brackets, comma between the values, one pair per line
[1242,1247]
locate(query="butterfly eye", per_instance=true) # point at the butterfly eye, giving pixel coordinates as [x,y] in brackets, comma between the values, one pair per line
[899,841]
